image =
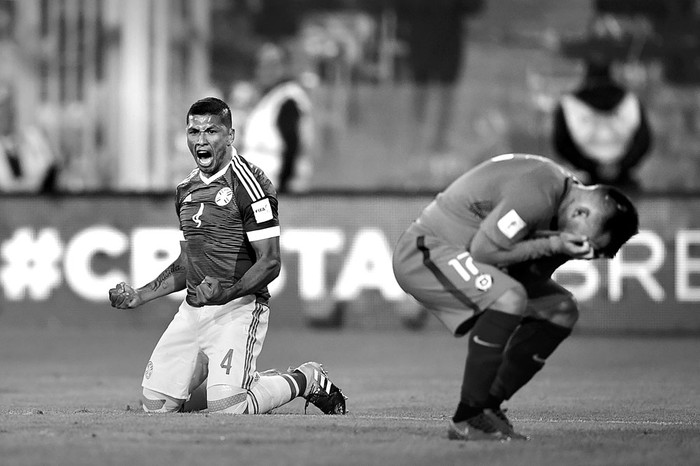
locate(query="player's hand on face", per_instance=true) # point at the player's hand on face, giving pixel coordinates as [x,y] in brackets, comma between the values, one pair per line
[124,296]
[209,291]
[576,246]
[609,172]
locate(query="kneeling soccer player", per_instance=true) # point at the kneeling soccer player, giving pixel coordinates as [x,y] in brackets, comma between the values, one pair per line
[481,257]
[227,210]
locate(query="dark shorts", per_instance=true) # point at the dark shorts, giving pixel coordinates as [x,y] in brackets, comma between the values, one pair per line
[455,287]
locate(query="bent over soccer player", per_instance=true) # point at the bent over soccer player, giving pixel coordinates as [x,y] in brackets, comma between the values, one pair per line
[481,257]
[228,215]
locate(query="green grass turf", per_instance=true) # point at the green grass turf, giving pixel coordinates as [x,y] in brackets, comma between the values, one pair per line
[70,397]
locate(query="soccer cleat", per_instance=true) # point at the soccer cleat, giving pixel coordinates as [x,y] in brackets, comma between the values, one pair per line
[503,424]
[479,427]
[320,391]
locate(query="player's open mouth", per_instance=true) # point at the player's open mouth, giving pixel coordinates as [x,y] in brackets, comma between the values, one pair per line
[204,158]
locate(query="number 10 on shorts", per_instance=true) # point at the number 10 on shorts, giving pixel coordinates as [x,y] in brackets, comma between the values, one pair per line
[464,265]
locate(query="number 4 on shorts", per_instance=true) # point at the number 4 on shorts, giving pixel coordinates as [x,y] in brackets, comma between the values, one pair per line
[226,362]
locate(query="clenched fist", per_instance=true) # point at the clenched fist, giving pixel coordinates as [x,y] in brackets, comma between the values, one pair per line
[209,291]
[124,296]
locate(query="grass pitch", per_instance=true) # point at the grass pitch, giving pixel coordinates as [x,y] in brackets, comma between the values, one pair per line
[70,397]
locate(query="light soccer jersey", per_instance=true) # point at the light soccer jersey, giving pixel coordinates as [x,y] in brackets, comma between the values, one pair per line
[507,201]
[220,216]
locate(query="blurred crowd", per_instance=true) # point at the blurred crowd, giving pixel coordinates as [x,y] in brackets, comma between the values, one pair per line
[375,94]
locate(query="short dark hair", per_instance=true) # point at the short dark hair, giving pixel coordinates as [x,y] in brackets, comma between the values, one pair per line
[623,221]
[212,106]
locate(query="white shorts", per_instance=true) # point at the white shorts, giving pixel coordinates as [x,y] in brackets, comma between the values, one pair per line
[230,336]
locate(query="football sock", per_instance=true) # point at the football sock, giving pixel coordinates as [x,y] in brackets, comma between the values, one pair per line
[227,399]
[272,391]
[533,342]
[269,391]
[300,379]
[464,412]
[487,342]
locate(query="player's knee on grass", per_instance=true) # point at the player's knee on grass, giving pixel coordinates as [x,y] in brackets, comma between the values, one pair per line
[155,402]
[227,399]
[513,301]
[267,392]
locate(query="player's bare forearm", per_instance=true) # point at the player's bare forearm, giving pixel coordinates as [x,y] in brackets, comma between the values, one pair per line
[258,276]
[542,244]
[170,280]
[520,252]
[266,268]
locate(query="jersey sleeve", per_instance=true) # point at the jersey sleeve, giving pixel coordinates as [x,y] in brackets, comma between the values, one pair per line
[256,201]
[260,219]
[180,191]
[178,201]
[523,207]
[178,205]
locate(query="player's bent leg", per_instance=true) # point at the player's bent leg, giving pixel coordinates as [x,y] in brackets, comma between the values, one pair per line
[270,390]
[155,402]
[486,345]
[487,342]
[226,399]
[513,301]
[273,389]
[532,343]
[167,380]
[565,313]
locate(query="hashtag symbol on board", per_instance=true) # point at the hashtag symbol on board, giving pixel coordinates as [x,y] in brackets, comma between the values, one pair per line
[30,264]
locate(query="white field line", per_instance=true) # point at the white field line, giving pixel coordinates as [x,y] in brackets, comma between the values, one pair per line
[633,422]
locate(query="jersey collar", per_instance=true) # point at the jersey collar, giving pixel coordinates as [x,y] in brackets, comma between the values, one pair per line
[220,173]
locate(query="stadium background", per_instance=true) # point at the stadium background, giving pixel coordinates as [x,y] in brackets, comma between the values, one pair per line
[107,82]
[111,108]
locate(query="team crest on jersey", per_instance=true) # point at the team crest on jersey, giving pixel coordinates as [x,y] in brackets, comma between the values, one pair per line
[149,370]
[483,282]
[224,196]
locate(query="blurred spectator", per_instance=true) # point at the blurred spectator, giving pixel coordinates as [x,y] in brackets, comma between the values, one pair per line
[435,33]
[601,128]
[275,20]
[27,162]
[278,132]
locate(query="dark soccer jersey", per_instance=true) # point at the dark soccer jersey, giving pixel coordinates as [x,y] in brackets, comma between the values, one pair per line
[220,216]
[508,197]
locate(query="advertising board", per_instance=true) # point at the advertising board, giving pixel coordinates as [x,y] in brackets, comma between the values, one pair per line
[59,256]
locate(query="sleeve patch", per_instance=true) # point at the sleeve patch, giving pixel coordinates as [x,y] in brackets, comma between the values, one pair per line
[262,210]
[510,224]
